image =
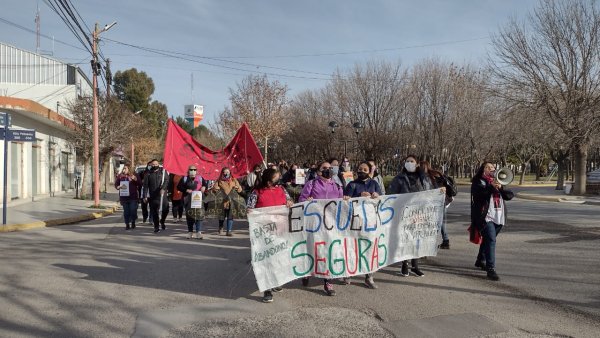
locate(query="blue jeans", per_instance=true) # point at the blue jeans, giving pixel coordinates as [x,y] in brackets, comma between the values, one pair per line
[487,249]
[130,211]
[191,223]
[227,216]
[444,231]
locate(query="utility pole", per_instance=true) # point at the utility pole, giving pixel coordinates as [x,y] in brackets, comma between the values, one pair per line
[95,72]
[96,154]
[108,79]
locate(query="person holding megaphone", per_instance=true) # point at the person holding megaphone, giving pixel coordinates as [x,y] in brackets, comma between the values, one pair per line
[488,214]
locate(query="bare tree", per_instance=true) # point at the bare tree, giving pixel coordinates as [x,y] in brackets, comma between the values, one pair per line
[117,126]
[261,104]
[552,63]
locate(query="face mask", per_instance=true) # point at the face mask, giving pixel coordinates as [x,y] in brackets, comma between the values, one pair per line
[335,170]
[149,167]
[155,168]
[192,172]
[326,173]
[410,167]
[362,175]
[226,175]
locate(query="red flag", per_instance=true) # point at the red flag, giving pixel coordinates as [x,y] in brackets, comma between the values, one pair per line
[181,151]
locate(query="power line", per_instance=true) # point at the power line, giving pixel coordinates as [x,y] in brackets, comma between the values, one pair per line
[356,51]
[216,59]
[174,55]
[10,23]
[59,11]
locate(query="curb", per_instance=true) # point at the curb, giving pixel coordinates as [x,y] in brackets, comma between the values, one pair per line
[58,221]
[558,199]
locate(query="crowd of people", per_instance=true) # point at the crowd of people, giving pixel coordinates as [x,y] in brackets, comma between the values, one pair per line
[281,184]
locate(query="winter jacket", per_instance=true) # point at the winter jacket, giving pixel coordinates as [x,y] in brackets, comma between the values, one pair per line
[154,182]
[481,194]
[187,183]
[133,187]
[403,184]
[321,188]
[357,187]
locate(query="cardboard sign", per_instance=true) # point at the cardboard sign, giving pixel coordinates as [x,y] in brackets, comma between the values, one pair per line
[124,191]
[196,200]
[300,177]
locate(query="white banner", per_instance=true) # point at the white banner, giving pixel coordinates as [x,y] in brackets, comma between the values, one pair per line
[337,238]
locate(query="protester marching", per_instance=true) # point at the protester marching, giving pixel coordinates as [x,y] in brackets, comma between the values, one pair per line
[331,220]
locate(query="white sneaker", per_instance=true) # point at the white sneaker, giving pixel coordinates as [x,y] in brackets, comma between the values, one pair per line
[199,235]
[189,235]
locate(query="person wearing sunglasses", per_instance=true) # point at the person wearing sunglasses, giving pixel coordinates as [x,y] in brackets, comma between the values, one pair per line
[194,216]
[322,187]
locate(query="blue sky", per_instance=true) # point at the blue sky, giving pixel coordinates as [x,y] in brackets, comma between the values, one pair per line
[261,32]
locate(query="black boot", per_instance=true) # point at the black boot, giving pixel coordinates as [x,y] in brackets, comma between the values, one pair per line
[221,227]
[133,225]
[445,244]
[127,226]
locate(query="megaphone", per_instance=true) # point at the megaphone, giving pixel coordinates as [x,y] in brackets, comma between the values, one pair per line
[504,176]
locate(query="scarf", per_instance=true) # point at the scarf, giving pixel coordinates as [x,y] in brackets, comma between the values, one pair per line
[496,194]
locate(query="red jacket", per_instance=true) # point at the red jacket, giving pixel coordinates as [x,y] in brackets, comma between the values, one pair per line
[270,197]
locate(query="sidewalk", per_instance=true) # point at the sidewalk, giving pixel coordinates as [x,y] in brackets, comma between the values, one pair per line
[58,210]
[549,194]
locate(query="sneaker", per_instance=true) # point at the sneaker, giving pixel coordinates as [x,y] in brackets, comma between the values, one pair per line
[277,289]
[370,283]
[156,231]
[417,272]
[481,265]
[267,297]
[199,235]
[404,271]
[189,235]
[229,234]
[346,281]
[329,289]
[492,275]
[305,281]
[445,245]
[220,231]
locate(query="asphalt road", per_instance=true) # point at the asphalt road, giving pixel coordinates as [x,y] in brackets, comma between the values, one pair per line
[96,280]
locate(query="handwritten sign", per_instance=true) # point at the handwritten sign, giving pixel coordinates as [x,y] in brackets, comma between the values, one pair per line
[337,238]
[124,190]
[196,200]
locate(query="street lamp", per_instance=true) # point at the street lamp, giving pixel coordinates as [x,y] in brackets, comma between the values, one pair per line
[95,72]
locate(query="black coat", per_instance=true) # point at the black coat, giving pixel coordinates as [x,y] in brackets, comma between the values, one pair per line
[401,184]
[187,183]
[481,193]
[154,182]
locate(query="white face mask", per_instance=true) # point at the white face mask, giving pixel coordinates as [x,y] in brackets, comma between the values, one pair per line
[411,167]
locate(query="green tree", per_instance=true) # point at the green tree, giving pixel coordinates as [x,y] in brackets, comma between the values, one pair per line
[135,88]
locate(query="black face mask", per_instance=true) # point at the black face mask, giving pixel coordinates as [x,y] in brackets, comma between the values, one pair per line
[155,168]
[326,173]
[362,176]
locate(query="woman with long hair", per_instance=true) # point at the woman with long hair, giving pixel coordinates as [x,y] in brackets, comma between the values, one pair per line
[439,180]
[227,183]
[488,215]
[127,182]
[268,194]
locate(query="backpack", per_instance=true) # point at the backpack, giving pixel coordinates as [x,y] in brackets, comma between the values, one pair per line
[451,189]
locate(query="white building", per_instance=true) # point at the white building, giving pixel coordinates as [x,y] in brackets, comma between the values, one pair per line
[35,90]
